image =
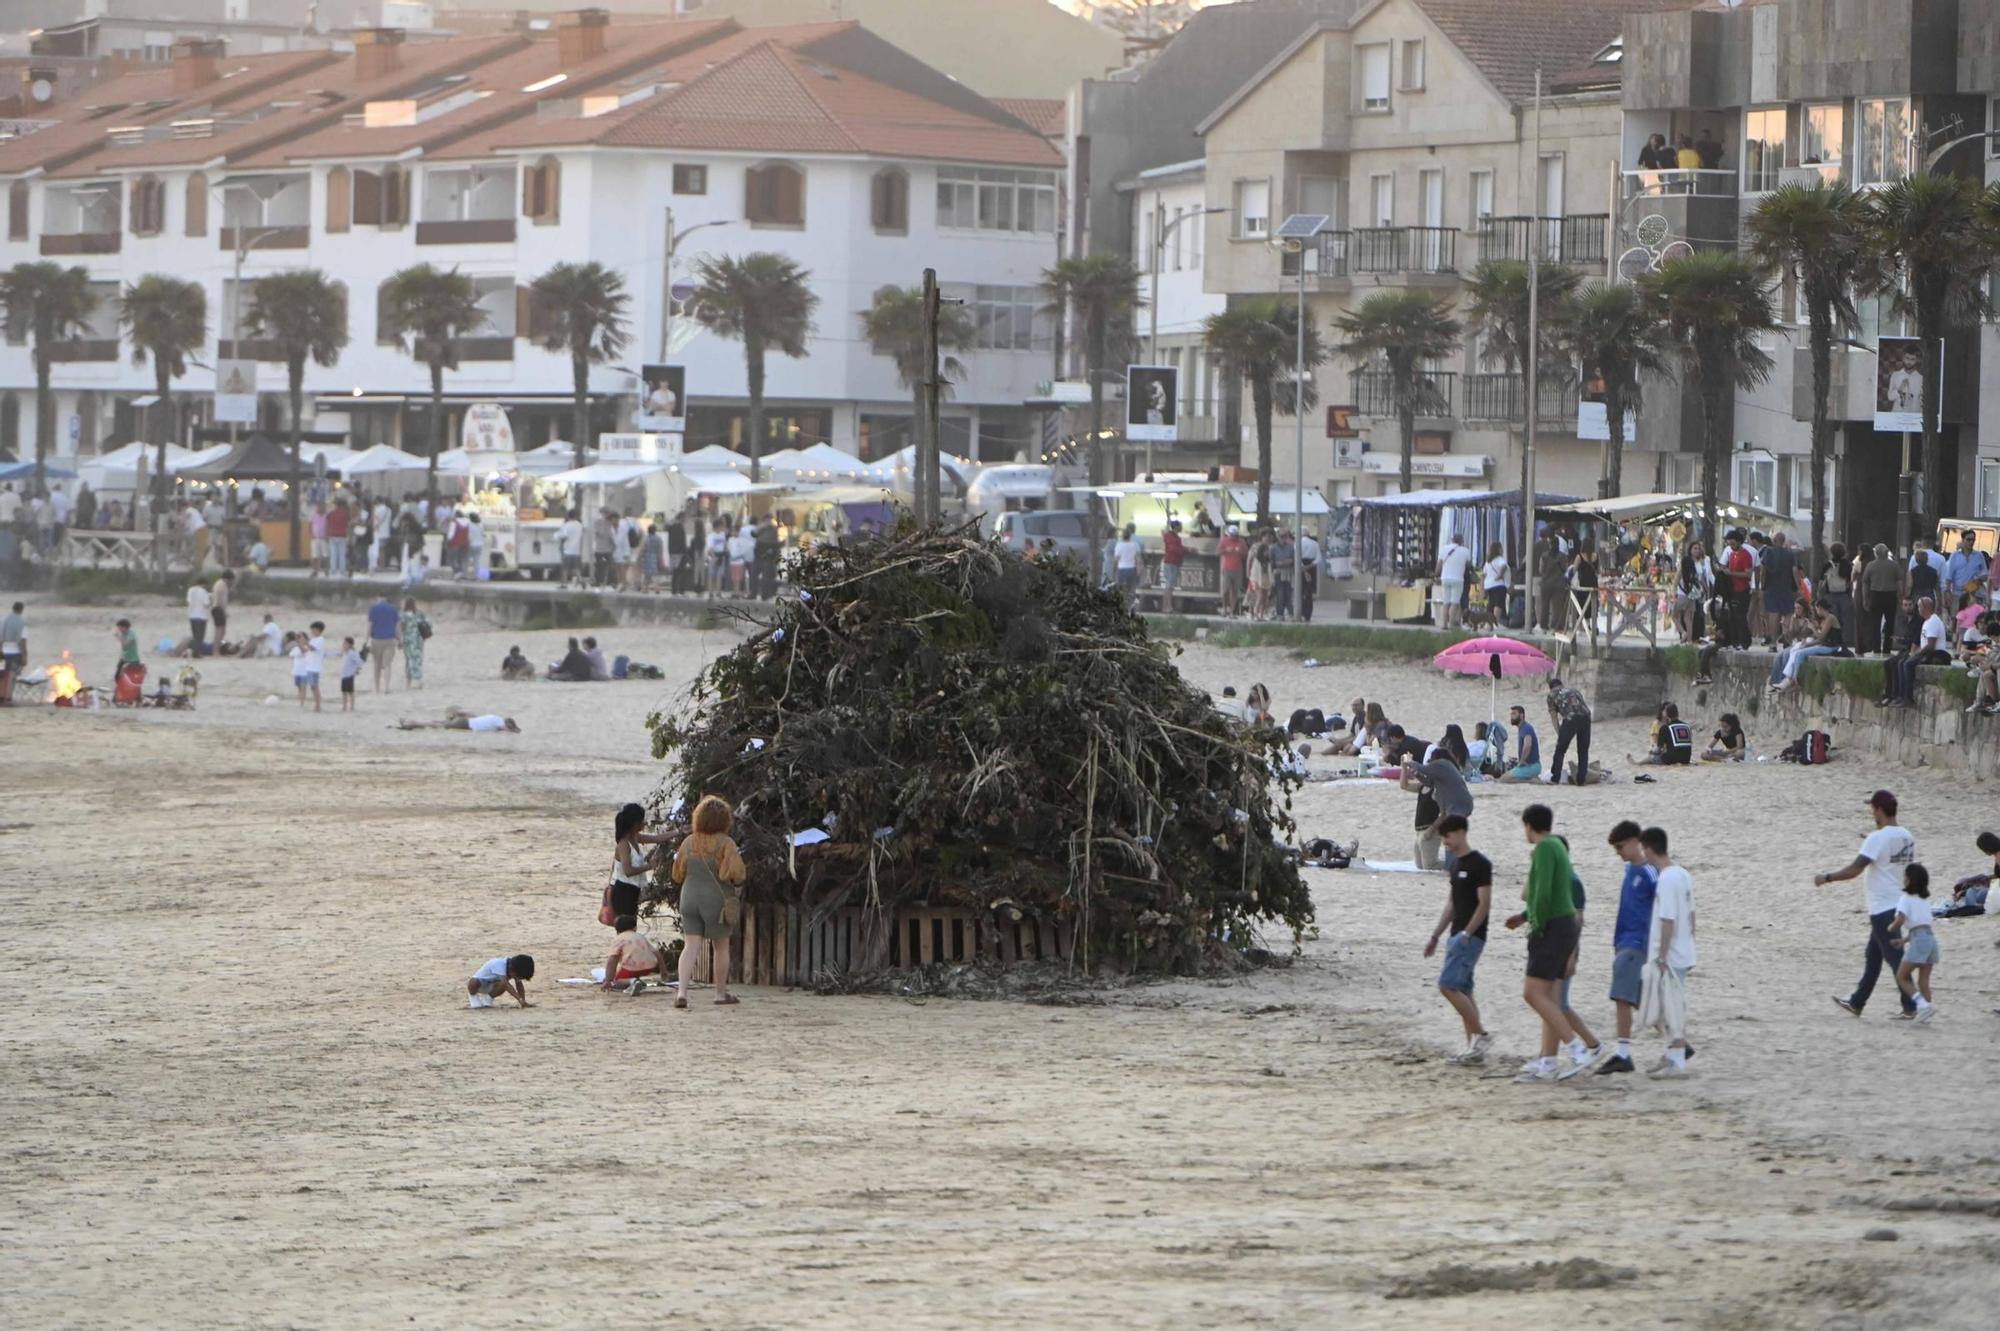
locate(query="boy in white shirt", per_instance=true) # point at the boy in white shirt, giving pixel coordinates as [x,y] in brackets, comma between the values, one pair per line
[1670,955]
[309,659]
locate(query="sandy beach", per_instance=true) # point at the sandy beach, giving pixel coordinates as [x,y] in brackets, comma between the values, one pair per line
[242,1088]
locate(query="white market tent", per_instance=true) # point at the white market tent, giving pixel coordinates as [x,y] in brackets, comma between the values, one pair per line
[383,458]
[900,468]
[819,461]
[714,457]
[1655,507]
[608,473]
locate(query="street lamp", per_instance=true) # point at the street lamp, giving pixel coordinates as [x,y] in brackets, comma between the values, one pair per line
[1161,230]
[1294,233]
[674,239]
[245,242]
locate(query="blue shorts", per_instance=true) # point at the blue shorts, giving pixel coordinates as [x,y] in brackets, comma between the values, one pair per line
[1628,974]
[1461,955]
[309,680]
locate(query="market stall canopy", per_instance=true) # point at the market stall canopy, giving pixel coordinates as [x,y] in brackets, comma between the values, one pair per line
[14,471]
[385,457]
[608,473]
[703,482]
[127,457]
[902,465]
[815,460]
[1284,499]
[556,455]
[842,494]
[714,457]
[1460,499]
[337,456]
[255,459]
[1655,508]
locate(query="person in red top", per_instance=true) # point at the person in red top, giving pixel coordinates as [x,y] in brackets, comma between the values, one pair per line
[1232,548]
[1736,565]
[336,539]
[1172,553]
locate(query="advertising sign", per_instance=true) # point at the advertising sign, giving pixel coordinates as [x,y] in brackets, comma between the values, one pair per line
[236,392]
[663,399]
[1151,397]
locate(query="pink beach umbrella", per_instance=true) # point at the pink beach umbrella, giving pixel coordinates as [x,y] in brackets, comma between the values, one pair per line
[1493,657]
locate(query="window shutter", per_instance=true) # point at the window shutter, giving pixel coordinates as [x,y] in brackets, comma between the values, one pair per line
[755,208]
[339,200]
[197,205]
[366,189]
[395,196]
[791,200]
[384,334]
[17,210]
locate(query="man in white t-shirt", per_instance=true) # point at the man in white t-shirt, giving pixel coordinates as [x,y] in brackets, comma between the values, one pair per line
[1126,556]
[569,541]
[10,505]
[270,639]
[1670,954]
[1928,649]
[1453,560]
[1493,576]
[1888,851]
[198,601]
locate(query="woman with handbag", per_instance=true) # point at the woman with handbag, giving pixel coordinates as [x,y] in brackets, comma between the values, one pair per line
[630,864]
[710,872]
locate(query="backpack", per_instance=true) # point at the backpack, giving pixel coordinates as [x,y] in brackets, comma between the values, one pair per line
[1815,746]
[632,537]
[423,628]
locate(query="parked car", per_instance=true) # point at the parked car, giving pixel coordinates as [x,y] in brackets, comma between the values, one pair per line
[1067,527]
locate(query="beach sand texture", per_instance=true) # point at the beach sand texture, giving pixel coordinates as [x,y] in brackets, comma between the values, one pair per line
[242,1090]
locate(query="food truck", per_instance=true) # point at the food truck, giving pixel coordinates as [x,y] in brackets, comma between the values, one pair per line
[1205,509]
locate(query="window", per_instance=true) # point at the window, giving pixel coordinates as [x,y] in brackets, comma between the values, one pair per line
[1798,484]
[18,195]
[196,205]
[339,200]
[496,302]
[889,201]
[1479,202]
[774,194]
[469,194]
[1374,76]
[1413,66]
[1757,480]
[1180,234]
[381,198]
[1989,489]
[1381,201]
[1882,148]
[541,192]
[1253,209]
[1823,138]
[1193,226]
[690,179]
[1763,149]
[996,200]
[1008,318]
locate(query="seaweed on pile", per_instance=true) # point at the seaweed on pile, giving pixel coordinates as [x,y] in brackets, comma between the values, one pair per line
[975,730]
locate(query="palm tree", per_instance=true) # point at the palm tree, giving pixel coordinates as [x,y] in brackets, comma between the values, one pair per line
[894,326]
[166,320]
[1257,342]
[1405,330]
[1100,292]
[765,301]
[304,316]
[1933,231]
[582,311]
[1715,303]
[1497,300]
[1820,236]
[427,310]
[54,304]
[1613,329]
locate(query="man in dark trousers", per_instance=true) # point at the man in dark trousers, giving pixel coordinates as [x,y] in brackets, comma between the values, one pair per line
[1888,850]
[1571,716]
[677,561]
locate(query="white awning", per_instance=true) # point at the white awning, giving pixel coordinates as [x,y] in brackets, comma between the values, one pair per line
[1284,500]
[1462,466]
[608,473]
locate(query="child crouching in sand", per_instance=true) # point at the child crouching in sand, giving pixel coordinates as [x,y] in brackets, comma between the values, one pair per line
[502,975]
[633,958]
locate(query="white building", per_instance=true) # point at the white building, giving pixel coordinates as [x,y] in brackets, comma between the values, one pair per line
[502,155]
[1168,230]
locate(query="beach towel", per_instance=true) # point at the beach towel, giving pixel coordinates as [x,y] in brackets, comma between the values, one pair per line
[1663,1003]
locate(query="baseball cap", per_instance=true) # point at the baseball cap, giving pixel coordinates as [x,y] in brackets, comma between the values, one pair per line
[1885,800]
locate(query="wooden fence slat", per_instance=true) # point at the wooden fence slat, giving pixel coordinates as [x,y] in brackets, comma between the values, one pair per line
[750,975]
[925,944]
[1048,933]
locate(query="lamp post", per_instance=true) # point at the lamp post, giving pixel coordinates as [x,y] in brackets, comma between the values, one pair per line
[674,239]
[1161,230]
[1295,234]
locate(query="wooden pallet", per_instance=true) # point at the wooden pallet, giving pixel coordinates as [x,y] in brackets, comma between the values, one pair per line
[781,945]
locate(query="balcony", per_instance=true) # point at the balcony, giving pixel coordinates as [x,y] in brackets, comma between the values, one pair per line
[1326,260]
[1673,184]
[1576,239]
[1498,398]
[81,242]
[262,237]
[249,348]
[1374,394]
[1404,249]
[1819,173]
[476,231]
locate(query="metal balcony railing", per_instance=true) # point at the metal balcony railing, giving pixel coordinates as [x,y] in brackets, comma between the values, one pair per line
[1498,397]
[1720,184]
[1404,249]
[1326,258]
[1576,238]
[1374,393]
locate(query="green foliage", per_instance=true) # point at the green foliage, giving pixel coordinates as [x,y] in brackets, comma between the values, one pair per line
[894,327]
[1257,340]
[979,731]
[1405,331]
[1681,660]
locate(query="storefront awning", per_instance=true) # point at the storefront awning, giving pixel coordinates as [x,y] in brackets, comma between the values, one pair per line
[1431,466]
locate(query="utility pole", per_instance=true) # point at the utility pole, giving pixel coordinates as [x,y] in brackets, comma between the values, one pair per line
[929,499]
[1534,354]
[1299,439]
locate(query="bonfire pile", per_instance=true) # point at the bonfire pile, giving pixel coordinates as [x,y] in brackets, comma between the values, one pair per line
[969,729]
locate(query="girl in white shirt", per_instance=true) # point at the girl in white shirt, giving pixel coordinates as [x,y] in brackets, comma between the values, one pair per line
[1920,949]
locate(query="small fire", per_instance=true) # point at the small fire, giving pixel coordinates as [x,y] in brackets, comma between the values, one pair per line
[63,682]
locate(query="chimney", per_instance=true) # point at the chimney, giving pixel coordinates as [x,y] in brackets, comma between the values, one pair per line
[580,36]
[196,61]
[377,53]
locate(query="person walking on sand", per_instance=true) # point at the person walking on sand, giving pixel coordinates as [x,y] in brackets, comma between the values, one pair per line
[1920,948]
[1885,854]
[1466,911]
[1550,914]
[1670,956]
[1629,939]
[416,631]
[710,872]
[385,629]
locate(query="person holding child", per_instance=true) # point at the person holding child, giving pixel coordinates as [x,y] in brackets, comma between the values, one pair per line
[710,871]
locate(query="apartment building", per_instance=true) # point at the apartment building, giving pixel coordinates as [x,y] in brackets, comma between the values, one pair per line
[1803,90]
[1165,205]
[501,155]
[1413,126]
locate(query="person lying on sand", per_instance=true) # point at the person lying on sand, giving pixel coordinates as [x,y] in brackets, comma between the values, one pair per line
[457,718]
[502,975]
[633,958]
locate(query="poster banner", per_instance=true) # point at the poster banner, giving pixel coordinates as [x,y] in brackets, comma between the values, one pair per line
[1151,396]
[1592,420]
[236,392]
[487,429]
[1899,384]
[663,399]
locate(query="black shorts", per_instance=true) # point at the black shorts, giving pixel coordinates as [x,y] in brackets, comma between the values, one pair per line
[220,618]
[1551,947]
[347,683]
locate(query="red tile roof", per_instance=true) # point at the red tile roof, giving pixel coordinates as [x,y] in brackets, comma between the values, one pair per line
[1047,116]
[1507,39]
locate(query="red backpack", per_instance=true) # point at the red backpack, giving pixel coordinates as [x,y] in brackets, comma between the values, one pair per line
[1814,747]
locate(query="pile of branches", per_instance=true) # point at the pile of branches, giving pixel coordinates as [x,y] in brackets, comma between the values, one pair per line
[971,729]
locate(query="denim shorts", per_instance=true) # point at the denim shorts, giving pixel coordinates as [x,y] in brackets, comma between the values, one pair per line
[1920,947]
[309,680]
[1628,975]
[1461,955]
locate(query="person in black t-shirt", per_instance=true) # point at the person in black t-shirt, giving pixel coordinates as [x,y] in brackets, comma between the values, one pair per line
[1465,915]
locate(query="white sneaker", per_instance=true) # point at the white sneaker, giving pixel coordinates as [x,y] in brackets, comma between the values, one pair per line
[1539,1074]
[1668,1072]
[479,1000]
[1925,1013]
[1572,1065]
[1480,1044]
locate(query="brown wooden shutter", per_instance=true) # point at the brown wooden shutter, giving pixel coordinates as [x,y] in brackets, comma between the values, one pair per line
[395,196]
[197,205]
[791,196]
[18,195]
[339,200]
[366,190]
